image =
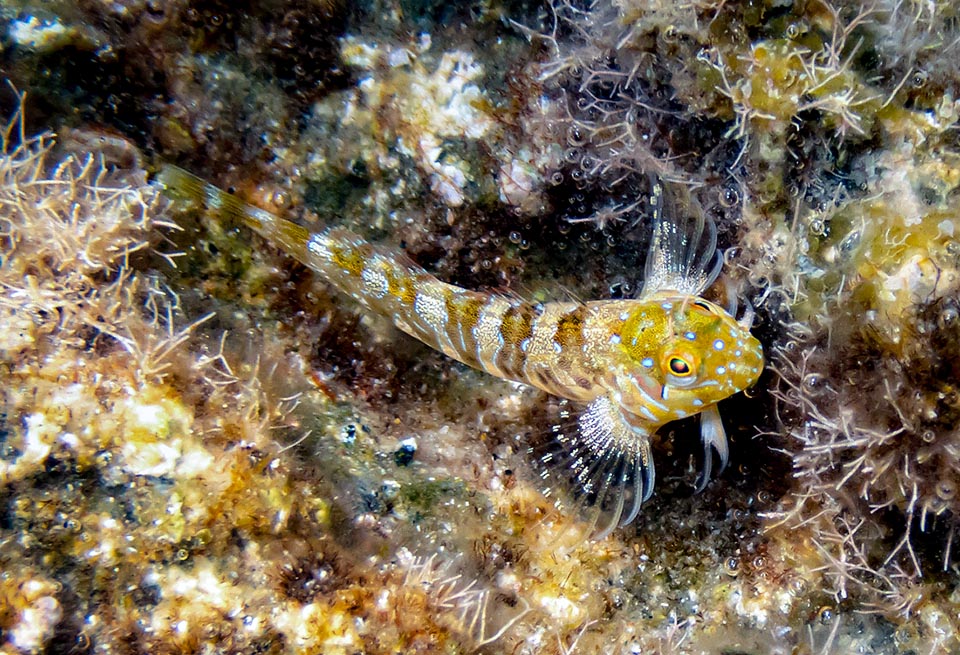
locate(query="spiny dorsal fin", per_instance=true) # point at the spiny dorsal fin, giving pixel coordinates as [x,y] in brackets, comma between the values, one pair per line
[595,460]
[683,254]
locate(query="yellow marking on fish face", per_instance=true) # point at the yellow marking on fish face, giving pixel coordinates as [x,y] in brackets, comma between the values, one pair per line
[678,355]
[644,330]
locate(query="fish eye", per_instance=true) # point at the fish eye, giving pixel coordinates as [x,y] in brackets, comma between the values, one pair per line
[679,366]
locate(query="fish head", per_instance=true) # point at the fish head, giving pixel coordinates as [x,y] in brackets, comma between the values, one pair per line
[679,354]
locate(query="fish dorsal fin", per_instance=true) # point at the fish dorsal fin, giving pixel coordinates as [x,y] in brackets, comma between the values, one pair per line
[596,460]
[683,253]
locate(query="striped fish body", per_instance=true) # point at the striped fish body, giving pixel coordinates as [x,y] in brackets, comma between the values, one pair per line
[572,350]
[628,365]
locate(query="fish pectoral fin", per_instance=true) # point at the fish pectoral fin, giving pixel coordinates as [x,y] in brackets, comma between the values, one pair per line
[600,461]
[714,438]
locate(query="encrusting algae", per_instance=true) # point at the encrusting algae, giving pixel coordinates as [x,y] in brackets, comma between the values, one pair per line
[150,518]
[204,448]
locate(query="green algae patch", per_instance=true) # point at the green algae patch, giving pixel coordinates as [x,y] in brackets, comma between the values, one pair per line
[427,495]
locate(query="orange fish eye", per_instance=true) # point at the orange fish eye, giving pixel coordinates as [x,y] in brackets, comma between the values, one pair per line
[679,366]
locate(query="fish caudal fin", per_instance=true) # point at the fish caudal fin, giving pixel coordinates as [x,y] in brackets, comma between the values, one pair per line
[599,461]
[180,184]
[683,253]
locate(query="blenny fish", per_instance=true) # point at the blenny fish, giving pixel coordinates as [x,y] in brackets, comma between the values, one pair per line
[625,367]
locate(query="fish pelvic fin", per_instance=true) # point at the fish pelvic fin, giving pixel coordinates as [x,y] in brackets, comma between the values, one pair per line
[714,439]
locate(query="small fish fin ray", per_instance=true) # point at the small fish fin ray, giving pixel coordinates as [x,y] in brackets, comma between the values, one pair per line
[595,460]
[181,184]
[683,253]
[714,438]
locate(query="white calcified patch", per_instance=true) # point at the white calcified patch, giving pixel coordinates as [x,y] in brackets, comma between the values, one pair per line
[36,34]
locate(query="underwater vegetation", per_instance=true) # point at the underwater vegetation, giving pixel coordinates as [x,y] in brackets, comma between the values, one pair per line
[203,447]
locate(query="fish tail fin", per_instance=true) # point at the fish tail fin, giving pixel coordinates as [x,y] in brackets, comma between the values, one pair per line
[181,184]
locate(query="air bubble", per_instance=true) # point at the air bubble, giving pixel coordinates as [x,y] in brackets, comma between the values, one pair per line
[814,382]
[946,490]
[850,242]
[729,198]
[948,318]
[928,436]
[732,567]
[556,178]
[575,136]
